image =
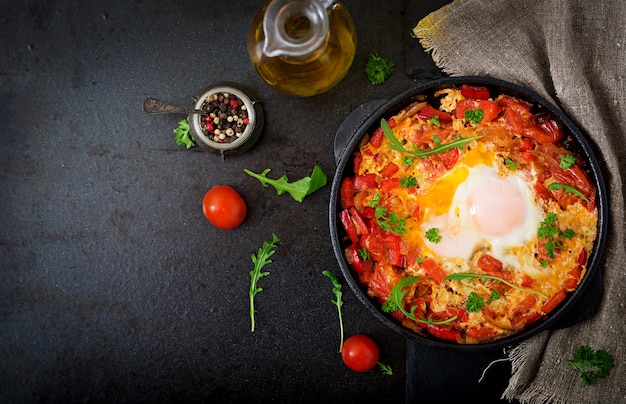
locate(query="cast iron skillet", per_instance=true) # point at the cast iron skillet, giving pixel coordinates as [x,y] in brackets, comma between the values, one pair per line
[367,117]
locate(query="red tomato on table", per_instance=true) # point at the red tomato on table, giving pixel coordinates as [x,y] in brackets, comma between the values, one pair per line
[224,207]
[360,353]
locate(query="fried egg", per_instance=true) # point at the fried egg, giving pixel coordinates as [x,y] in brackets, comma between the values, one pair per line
[483,210]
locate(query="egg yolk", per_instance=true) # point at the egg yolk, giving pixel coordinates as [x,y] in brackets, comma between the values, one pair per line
[496,207]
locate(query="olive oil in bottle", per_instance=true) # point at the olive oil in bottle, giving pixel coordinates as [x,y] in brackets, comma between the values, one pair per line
[302,47]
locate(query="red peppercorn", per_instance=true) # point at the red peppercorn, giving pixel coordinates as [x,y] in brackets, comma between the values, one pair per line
[246,121]
[207,118]
[234,104]
[210,127]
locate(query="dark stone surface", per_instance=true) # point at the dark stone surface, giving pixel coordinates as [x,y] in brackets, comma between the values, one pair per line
[114,287]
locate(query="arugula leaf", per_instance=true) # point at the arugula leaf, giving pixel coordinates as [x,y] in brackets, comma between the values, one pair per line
[567,161]
[260,260]
[568,190]
[378,69]
[298,189]
[337,302]
[397,145]
[471,276]
[592,364]
[394,302]
[386,369]
[433,235]
[182,135]
[474,115]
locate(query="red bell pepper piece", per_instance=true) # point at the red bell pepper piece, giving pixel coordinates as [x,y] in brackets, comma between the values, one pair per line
[359,223]
[479,93]
[433,270]
[348,225]
[393,243]
[553,301]
[443,333]
[346,193]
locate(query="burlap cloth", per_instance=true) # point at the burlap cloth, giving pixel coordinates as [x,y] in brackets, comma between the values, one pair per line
[573,52]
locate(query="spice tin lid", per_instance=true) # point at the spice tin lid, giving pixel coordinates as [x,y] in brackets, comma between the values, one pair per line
[233,128]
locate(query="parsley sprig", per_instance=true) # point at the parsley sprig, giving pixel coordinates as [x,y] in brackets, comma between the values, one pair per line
[396,296]
[261,259]
[433,235]
[378,69]
[592,364]
[397,145]
[390,221]
[182,135]
[549,229]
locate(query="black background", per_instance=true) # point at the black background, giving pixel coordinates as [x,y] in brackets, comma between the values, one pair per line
[114,287]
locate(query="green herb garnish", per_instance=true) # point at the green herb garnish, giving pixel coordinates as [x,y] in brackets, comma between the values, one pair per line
[386,369]
[510,163]
[397,145]
[474,115]
[568,190]
[408,182]
[433,235]
[548,229]
[435,121]
[363,254]
[471,276]
[182,135]
[378,69]
[567,161]
[372,203]
[396,296]
[297,189]
[406,161]
[474,303]
[391,222]
[260,260]
[592,364]
[337,302]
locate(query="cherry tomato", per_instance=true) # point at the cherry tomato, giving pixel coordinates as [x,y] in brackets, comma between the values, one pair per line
[224,207]
[360,353]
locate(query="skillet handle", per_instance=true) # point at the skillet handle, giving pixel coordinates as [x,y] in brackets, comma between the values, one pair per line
[351,124]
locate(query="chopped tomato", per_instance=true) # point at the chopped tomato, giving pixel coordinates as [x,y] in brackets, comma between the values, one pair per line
[365,181]
[490,264]
[377,137]
[382,280]
[462,106]
[538,134]
[479,93]
[490,109]
[389,170]
[358,263]
[389,184]
[429,112]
